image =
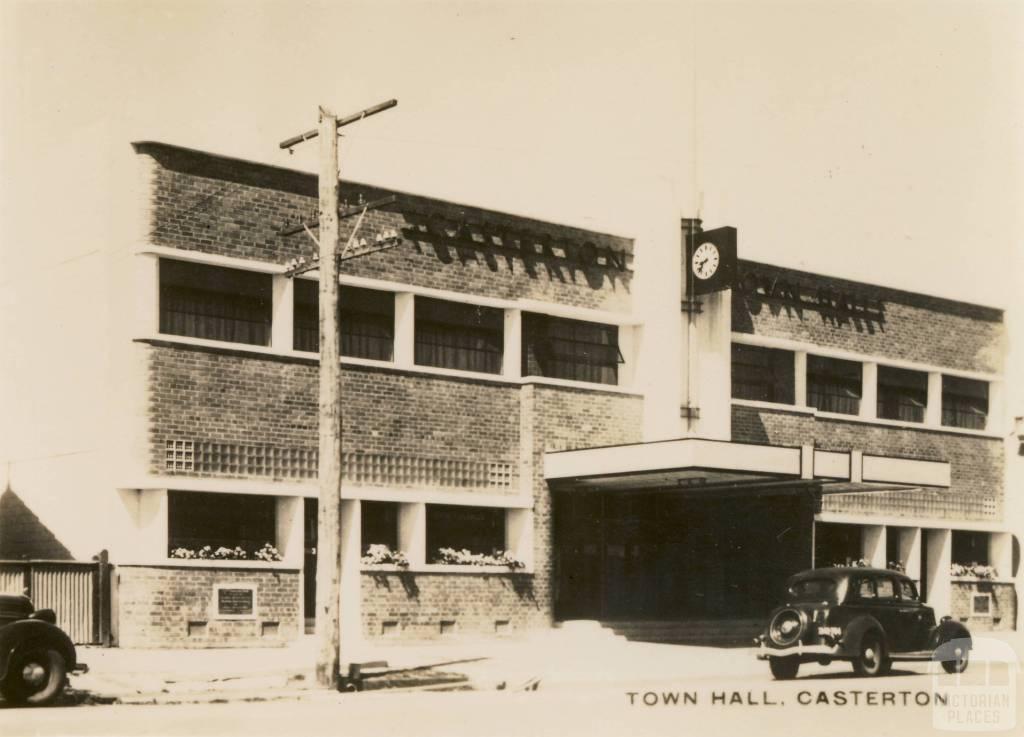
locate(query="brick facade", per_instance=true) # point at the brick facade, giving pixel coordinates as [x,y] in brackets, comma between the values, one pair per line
[976,491]
[414,605]
[878,322]
[1004,605]
[173,606]
[236,208]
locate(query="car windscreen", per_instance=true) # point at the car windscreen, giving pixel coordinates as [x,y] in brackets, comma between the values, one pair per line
[813,589]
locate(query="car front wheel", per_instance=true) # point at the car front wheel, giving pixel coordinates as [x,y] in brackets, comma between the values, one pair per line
[35,676]
[871,659]
[784,669]
[959,663]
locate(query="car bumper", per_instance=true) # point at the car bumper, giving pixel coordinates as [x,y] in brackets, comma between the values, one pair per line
[799,649]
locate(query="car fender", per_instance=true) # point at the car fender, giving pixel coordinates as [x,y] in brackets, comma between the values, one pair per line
[17,635]
[946,630]
[856,629]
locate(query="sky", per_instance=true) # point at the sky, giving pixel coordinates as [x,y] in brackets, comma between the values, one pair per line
[879,141]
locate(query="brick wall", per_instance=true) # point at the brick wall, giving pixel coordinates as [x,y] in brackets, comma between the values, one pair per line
[976,491]
[897,324]
[233,397]
[156,604]
[227,207]
[1004,605]
[417,603]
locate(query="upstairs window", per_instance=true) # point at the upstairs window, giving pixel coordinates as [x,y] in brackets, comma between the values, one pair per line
[458,336]
[834,385]
[964,403]
[570,349]
[902,394]
[762,374]
[366,317]
[215,303]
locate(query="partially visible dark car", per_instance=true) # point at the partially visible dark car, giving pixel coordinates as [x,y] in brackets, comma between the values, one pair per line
[867,616]
[35,654]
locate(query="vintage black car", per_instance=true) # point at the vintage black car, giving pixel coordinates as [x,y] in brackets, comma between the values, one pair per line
[35,654]
[867,616]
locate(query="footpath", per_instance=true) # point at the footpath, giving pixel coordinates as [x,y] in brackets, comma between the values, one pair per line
[582,655]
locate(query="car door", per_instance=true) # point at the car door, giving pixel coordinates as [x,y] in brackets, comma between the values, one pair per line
[914,619]
[886,610]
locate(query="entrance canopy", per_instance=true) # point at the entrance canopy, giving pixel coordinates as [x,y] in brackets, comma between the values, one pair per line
[697,462]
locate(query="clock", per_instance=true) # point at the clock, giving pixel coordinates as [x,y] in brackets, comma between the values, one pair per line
[705,260]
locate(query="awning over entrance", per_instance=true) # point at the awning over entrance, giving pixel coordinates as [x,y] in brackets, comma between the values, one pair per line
[696,462]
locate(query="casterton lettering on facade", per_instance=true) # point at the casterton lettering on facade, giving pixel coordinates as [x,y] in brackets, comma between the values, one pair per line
[804,698]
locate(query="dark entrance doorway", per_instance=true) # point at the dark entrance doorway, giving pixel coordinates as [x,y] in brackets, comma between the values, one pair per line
[632,555]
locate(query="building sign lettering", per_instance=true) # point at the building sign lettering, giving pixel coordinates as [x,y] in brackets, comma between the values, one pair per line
[790,293]
[237,601]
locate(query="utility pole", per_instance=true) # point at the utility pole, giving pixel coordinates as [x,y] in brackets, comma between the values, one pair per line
[329,471]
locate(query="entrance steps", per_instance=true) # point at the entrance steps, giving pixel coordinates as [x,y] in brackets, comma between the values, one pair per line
[707,632]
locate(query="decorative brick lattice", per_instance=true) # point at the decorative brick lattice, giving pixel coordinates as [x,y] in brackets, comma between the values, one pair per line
[179,455]
[235,460]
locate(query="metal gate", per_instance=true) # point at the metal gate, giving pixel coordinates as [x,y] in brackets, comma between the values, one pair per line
[79,592]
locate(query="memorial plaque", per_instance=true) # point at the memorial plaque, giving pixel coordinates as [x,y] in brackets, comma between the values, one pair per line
[236,602]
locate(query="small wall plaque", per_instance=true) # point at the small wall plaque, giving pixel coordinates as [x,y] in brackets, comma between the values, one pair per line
[235,601]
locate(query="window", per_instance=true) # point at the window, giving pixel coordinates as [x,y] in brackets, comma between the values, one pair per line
[902,394]
[762,374]
[196,519]
[458,336]
[907,592]
[964,403]
[201,301]
[970,547]
[834,385]
[380,524]
[366,317]
[886,588]
[865,588]
[476,529]
[570,349]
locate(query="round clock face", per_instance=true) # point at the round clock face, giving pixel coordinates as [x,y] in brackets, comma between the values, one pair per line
[705,261]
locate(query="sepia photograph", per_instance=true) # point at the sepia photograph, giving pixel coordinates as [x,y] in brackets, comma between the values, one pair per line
[479,367]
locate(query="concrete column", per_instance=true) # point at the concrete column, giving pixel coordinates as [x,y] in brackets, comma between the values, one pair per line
[351,597]
[405,329]
[151,525]
[909,550]
[519,535]
[869,391]
[146,302]
[283,313]
[807,461]
[289,543]
[412,532]
[940,557]
[512,351]
[873,545]
[994,421]
[711,386]
[933,411]
[1000,553]
[629,339]
[856,466]
[800,378]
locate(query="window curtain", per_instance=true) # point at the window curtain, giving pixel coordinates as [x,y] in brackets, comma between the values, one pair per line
[198,313]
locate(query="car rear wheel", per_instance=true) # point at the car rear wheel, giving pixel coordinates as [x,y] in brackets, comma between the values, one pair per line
[871,659]
[36,675]
[784,669]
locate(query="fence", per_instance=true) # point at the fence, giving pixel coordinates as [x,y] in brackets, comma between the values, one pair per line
[79,592]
